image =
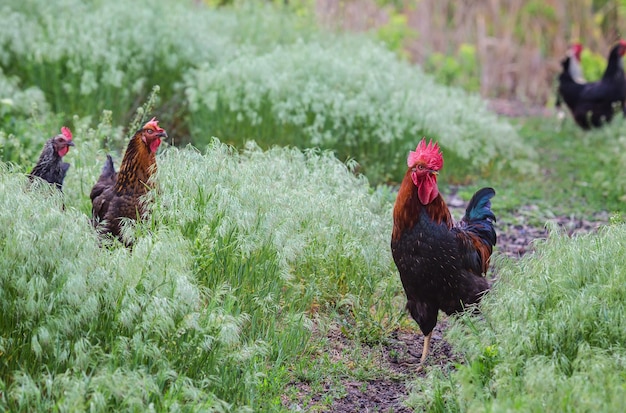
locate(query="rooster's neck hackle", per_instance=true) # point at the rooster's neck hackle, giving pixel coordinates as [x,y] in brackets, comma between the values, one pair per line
[408,208]
[137,167]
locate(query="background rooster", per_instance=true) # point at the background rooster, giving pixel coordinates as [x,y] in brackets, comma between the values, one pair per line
[591,104]
[117,194]
[441,266]
[50,166]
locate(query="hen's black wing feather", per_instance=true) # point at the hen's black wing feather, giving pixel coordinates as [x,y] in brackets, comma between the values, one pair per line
[101,193]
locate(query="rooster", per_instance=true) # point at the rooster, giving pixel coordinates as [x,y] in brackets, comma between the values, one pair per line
[441,265]
[591,104]
[117,195]
[50,166]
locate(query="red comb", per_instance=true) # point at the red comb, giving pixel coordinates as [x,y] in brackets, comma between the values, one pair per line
[577,49]
[67,133]
[429,153]
[154,124]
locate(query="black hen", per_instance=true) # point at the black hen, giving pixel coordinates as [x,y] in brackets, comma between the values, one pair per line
[50,166]
[591,104]
[571,79]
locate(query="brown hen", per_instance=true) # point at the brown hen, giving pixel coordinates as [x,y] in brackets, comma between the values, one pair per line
[117,195]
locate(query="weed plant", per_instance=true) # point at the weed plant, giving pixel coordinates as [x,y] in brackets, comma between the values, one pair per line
[212,308]
[21,142]
[88,57]
[23,115]
[15,101]
[552,337]
[306,207]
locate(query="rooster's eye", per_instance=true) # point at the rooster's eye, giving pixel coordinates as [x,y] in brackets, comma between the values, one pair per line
[150,131]
[420,167]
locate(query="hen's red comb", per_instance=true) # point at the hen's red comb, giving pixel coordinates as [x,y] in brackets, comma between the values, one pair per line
[153,124]
[577,49]
[428,153]
[67,133]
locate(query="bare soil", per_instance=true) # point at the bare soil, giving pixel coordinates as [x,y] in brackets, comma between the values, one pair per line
[400,356]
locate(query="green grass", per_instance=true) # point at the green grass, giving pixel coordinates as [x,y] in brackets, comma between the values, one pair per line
[107,55]
[251,256]
[577,173]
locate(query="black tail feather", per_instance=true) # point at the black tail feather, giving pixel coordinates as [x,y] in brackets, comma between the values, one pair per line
[108,170]
[478,216]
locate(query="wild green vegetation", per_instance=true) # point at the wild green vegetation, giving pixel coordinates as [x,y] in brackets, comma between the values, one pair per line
[214,301]
[255,252]
[577,173]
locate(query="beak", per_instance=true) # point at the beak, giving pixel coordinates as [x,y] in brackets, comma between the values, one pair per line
[162,135]
[434,172]
[70,143]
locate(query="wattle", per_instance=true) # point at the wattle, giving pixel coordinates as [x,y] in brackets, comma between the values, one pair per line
[427,190]
[154,145]
[63,151]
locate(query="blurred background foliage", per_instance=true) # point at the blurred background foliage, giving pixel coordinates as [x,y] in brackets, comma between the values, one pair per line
[504,49]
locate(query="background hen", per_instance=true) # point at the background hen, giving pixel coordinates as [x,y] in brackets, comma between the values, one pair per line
[441,266]
[50,166]
[591,104]
[117,194]
[570,76]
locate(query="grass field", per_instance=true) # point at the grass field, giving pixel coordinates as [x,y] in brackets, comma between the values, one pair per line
[257,254]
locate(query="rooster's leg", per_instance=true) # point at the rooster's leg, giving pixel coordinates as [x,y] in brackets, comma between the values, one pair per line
[426,347]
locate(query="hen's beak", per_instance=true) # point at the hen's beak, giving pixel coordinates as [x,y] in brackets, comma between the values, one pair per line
[162,135]
[70,143]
